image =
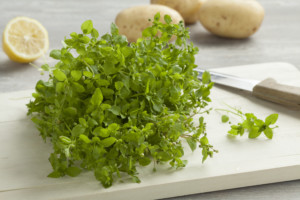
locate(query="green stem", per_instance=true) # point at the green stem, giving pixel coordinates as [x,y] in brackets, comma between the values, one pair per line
[229,111]
[89,67]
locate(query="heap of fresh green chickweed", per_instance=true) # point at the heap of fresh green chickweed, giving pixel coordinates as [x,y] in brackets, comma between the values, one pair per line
[109,106]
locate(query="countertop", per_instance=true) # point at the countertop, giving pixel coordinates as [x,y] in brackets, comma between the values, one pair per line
[277,40]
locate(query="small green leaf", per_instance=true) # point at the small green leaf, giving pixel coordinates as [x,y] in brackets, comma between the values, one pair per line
[76,75]
[54,174]
[89,61]
[60,87]
[225,118]
[204,141]
[192,143]
[83,122]
[59,75]
[115,110]
[95,33]
[233,132]
[136,179]
[97,97]
[78,87]
[119,85]
[268,132]
[167,19]
[56,54]
[113,127]
[108,141]
[164,156]
[144,161]
[71,111]
[114,29]
[87,27]
[45,67]
[254,133]
[73,171]
[105,106]
[78,130]
[96,140]
[65,140]
[271,119]
[85,139]
[88,74]
[157,17]
[205,77]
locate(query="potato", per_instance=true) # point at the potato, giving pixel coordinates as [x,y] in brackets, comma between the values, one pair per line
[132,21]
[187,8]
[231,18]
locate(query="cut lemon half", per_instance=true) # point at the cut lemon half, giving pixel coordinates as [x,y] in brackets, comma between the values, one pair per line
[25,39]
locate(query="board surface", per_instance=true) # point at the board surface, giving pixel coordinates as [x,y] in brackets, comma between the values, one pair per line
[240,162]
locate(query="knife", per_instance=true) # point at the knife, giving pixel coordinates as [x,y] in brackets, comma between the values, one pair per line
[267,89]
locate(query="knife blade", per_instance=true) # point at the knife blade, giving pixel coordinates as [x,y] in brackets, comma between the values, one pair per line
[267,89]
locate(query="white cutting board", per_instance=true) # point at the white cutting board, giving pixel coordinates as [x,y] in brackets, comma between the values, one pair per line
[240,162]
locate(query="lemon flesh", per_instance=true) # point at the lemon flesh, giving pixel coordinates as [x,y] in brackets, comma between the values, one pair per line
[25,39]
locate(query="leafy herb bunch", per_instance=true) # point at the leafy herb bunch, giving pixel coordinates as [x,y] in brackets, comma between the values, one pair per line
[109,106]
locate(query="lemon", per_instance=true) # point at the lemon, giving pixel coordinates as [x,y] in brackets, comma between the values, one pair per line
[25,39]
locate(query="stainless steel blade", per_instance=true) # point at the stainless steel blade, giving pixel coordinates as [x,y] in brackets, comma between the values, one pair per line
[229,80]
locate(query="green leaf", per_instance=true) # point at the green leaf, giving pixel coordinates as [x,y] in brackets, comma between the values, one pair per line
[54,174]
[225,118]
[167,19]
[78,87]
[97,97]
[205,77]
[103,132]
[114,29]
[56,54]
[83,122]
[115,110]
[268,132]
[60,86]
[271,119]
[71,111]
[45,67]
[233,132]
[89,61]
[192,143]
[204,141]
[59,75]
[108,141]
[85,139]
[65,140]
[88,74]
[119,85]
[104,106]
[113,127]
[95,33]
[157,16]
[87,27]
[164,156]
[76,75]
[73,171]
[78,130]
[254,133]
[144,161]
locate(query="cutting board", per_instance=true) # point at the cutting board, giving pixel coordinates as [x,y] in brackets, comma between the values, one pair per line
[240,162]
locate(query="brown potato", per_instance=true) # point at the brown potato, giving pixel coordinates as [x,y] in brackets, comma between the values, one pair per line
[187,8]
[132,21]
[231,18]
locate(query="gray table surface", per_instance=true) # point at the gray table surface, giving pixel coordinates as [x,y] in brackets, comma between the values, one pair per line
[277,40]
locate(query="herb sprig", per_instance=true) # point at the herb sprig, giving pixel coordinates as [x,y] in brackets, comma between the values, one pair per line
[110,106]
[250,123]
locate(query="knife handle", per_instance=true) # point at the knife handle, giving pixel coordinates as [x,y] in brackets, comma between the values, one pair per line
[285,95]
